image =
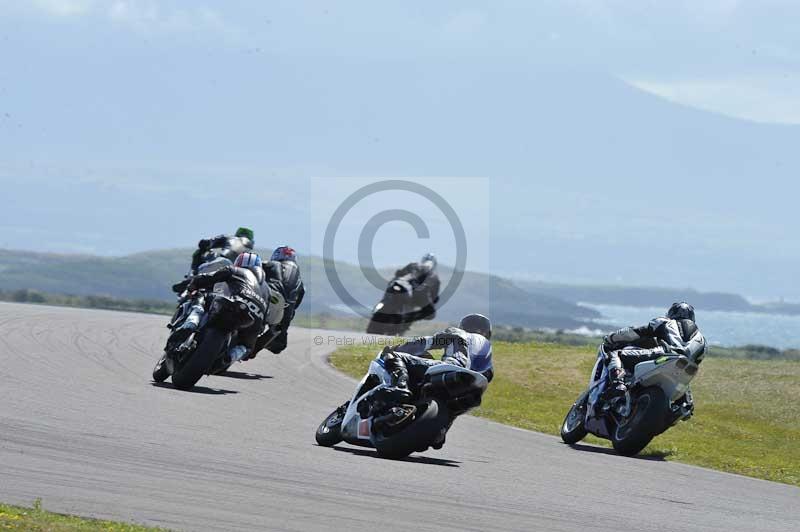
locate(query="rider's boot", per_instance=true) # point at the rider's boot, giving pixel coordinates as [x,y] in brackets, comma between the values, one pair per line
[178,288]
[401,393]
[399,373]
[237,353]
[398,392]
[616,383]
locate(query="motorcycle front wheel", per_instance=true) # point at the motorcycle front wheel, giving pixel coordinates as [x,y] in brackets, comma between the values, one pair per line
[329,432]
[573,429]
[201,360]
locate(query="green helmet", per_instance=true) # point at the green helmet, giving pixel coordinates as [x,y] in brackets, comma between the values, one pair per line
[245,232]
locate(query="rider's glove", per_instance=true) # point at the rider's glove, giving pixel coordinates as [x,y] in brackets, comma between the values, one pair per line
[387,350]
[192,284]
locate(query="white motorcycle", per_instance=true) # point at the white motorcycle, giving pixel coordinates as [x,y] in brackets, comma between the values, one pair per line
[372,418]
[658,396]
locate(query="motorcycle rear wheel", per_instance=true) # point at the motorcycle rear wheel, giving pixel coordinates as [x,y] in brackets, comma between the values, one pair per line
[432,417]
[201,360]
[644,424]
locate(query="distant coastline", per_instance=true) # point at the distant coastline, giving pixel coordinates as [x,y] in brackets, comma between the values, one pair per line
[721,327]
[653,296]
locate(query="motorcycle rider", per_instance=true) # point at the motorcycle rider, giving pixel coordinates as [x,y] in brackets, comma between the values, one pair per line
[282,275]
[468,345]
[246,280]
[212,248]
[677,332]
[426,285]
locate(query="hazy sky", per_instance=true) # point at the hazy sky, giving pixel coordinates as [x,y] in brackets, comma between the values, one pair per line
[608,130]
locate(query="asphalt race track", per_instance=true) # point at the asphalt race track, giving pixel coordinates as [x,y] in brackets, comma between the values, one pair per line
[83,428]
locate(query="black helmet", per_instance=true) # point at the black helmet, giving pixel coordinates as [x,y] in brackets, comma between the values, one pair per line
[681,311]
[478,324]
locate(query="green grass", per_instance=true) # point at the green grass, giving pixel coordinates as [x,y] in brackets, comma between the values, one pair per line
[746,415]
[38,520]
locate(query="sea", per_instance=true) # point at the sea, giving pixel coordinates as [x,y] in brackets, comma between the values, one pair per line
[719,327]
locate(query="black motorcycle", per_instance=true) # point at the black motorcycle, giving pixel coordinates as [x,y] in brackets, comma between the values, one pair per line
[399,308]
[205,350]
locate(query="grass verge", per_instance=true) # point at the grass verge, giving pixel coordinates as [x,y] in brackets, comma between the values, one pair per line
[38,520]
[745,418]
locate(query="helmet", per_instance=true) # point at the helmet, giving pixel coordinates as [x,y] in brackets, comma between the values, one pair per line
[250,261]
[284,253]
[681,311]
[430,257]
[478,324]
[246,233]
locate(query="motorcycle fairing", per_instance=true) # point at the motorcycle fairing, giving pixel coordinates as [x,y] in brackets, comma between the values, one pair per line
[214,265]
[355,429]
[670,373]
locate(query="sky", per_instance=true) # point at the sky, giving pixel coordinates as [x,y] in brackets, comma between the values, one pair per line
[643,143]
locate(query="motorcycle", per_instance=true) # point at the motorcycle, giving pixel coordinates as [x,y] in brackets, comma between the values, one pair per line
[205,350]
[395,313]
[373,418]
[657,397]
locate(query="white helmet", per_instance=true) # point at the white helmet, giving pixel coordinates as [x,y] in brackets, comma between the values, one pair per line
[250,261]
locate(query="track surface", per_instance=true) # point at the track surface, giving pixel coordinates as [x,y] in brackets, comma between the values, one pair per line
[83,428]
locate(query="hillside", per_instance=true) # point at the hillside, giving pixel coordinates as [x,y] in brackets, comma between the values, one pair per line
[149,275]
[501,298]
[653,297]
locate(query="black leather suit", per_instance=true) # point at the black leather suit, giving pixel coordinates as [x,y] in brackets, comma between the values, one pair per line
[426,284]
[284,277]
[242,283]
[648,342]
[461,348]
[229,247]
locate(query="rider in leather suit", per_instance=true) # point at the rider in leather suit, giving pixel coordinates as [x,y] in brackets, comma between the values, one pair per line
[245,279]
[426,285]
[675,333]
[282,275]
[222,245]
[209,249]
[467,345]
